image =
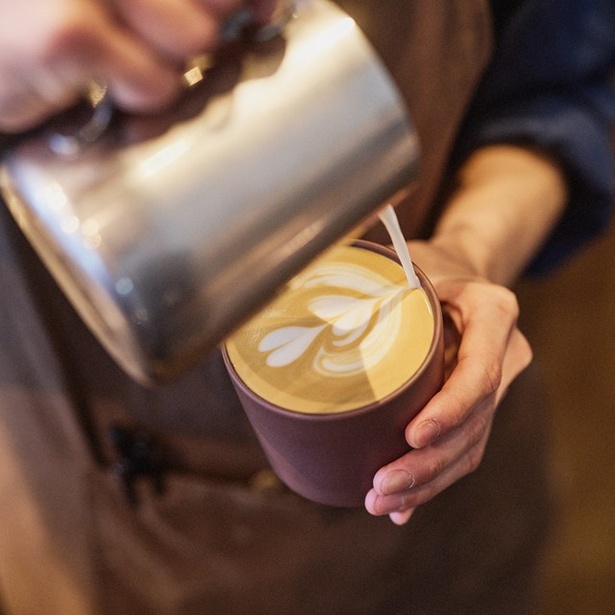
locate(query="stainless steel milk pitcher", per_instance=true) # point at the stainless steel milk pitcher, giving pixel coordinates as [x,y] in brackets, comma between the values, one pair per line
[167,232]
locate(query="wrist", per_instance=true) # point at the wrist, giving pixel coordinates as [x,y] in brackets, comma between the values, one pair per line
[461,246]
[507,201]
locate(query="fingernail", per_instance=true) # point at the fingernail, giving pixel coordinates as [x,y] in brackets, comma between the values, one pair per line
[400,517]
[426,433]
[396,480]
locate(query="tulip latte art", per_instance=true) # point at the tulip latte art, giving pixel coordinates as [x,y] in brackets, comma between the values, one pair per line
[345,333]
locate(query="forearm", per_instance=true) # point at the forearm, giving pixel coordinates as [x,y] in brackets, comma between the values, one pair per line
[507,201]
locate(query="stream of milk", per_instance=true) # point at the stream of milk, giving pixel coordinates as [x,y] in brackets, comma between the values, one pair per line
[388,217]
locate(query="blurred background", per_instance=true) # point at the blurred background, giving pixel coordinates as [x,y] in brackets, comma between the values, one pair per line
[570,319]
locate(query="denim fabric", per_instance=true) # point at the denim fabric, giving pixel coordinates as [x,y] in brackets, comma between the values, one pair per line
[548,85]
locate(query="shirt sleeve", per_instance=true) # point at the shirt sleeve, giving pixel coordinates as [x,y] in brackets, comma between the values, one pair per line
[550,86]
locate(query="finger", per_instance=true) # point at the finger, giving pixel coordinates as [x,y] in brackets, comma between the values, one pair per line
[486,322]
[423,466]
[401,517]
[66,50]
[378,504]
[178,29]
[19,113]
[138,79]
[92,45]
[27,99]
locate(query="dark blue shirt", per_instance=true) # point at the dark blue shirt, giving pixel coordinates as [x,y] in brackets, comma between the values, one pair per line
[550,86]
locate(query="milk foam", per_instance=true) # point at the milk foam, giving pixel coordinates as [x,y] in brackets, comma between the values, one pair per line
[346,332]
[346,318]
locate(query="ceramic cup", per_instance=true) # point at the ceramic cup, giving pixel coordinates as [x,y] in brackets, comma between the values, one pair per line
[331,456]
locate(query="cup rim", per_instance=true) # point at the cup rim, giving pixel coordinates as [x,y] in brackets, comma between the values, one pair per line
[336,416]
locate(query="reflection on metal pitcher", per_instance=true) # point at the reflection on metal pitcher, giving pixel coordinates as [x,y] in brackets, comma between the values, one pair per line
[168,231]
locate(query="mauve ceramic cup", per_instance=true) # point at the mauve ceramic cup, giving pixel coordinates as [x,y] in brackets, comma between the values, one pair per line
[332,458]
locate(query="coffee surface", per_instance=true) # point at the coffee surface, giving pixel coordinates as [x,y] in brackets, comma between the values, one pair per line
[344,333]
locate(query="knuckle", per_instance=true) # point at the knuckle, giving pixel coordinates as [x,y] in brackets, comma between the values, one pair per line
[383,505]
[392,504]
[474,458]
[505,301]
[491,376]
[477,443]
[485,375]
[436,468]
[477,429]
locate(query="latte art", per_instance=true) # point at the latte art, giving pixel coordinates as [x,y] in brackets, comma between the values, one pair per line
[356,333]
[346,332]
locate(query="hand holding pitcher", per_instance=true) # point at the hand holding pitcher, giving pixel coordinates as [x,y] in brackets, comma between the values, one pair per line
[137,47]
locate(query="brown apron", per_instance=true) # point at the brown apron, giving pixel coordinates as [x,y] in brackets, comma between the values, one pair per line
[119,500]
